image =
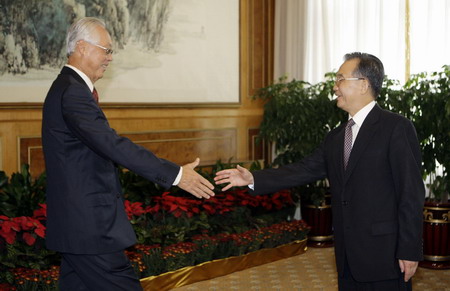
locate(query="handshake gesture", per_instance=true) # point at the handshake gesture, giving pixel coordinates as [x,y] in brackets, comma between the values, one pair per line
[194,183]
[234,177]
[198,186]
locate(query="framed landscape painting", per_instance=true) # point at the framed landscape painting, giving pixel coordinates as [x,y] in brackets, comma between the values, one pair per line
[166,52]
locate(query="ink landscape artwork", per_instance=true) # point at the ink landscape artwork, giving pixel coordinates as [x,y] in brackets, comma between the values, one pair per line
[166,51]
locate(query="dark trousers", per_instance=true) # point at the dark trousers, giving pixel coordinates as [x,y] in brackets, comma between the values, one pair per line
[97,272]
[346,282]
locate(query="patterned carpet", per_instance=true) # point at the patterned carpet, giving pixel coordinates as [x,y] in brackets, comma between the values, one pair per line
[313,270]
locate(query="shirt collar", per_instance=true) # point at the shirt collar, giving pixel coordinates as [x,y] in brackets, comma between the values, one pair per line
[361,115]
[83,76]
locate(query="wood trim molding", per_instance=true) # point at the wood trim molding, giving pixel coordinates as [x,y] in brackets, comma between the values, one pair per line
[180,147]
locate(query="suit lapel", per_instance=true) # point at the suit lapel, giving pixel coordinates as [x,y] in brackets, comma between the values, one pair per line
[365,134]
[337,152]
[68,71]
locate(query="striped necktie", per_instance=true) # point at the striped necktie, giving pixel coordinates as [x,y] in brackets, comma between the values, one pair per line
[348,141]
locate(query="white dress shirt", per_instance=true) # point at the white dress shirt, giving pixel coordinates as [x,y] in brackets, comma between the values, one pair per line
[359,118]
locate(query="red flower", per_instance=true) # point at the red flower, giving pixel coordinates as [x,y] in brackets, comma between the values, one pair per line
[29,238]
[26,223]
[8,229]
[133,209]
[6,287]
[178,205]
[154,209]
[40,213]
[10,237]
[40,231]
[209,209]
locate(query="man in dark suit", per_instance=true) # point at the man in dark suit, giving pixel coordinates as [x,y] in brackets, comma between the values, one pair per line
[374,170]
[86,219]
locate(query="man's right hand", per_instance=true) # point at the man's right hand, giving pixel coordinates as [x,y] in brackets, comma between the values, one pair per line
[194,183]
[235,177]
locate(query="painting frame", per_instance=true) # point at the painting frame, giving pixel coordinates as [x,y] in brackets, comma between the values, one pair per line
[135,103]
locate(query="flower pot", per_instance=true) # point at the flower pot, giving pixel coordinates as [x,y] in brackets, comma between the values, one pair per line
[319,218]
[221,267]
[436,235]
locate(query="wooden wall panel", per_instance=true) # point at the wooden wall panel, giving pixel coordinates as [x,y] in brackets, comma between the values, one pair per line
[261,18]
[180,134]
[184,147]
[257,149]
[180,147]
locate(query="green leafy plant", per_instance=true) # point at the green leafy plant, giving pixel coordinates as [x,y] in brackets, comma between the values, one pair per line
[21,195]
[430,94]
[297,116]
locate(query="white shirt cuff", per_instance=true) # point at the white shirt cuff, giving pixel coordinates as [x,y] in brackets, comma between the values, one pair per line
[251,186]
[178,178]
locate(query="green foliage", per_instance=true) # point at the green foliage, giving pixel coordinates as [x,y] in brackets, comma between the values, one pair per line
[439,187]
[154,262]
[173,229]
[21,255]
[297,116]
[137,188]
[21,195]
[427,96]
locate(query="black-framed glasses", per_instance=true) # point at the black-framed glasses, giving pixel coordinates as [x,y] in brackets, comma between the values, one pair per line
[338,80]
[108,51]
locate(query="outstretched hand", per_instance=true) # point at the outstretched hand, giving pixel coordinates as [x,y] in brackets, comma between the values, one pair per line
[235,177]
[194,183]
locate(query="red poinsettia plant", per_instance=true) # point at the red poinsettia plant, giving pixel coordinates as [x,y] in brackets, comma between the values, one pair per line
[28,227]
[172,218]
[174,229]
[218,205]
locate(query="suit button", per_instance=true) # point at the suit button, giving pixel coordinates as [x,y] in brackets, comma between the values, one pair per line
[118,196]
[345,203]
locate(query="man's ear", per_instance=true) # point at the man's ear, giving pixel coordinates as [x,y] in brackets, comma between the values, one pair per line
[80,47]
[365,86]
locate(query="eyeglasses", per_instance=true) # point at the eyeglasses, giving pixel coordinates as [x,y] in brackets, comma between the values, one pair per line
[338,80]
[108,51]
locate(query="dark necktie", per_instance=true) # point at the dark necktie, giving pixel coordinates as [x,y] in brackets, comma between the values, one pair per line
[348,141]
[95,95]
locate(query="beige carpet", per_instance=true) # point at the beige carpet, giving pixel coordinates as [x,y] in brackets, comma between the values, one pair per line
[313,270]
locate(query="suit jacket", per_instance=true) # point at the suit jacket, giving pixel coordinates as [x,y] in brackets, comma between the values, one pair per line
[377,202]
[85,210]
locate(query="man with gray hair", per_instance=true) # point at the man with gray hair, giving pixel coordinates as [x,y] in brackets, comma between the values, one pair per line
[86,219]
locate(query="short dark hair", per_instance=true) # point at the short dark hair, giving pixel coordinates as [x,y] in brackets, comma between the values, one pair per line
[369,67]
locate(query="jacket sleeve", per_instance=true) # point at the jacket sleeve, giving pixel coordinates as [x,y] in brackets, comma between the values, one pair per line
[309,169]
[88,123]
[405,162]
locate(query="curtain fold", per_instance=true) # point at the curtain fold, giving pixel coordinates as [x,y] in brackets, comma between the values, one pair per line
[430,35]
[312,36]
